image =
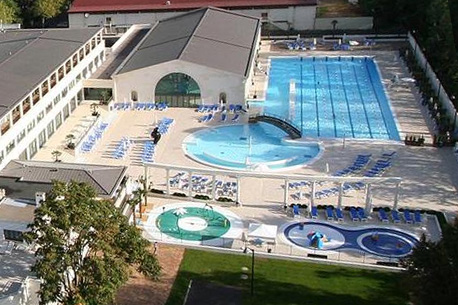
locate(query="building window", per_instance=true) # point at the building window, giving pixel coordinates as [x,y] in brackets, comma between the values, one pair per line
[134,96]
[81,54]
[75,60]
[2,156]
[6,124]
[57,100]
[58,120]
[16,114]
[42,138]
[31,126]
[53,80]
[61,73]
[66,112]
[10,147]
[73,104]
[64,92]
[44,87]
[33,148]
[50,129]
[48,108]
[21,136]
[264,15]
[36,96]
[108,20]
[26,105]
[68,66]
[40,116]
[78,77]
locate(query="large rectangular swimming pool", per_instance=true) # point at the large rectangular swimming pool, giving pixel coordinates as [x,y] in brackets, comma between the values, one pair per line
[332,97]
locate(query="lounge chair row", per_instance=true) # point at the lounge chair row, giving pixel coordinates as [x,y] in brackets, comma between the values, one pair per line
[141,106]
[395,216]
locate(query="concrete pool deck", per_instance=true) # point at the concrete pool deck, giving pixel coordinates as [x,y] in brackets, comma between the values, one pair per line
[429,175]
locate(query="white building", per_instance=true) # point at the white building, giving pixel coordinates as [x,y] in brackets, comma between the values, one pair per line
[201,57]
[117,15]
[41,73]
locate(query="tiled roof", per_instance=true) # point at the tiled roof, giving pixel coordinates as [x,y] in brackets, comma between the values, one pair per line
[88,6]
[210,37]
[104,179]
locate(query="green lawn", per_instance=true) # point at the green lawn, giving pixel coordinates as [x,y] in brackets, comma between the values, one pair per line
[287,282]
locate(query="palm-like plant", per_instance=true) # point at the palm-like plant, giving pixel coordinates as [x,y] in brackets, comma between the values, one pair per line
[56,154]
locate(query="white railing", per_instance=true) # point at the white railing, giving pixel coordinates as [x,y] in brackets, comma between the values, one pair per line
[432,77]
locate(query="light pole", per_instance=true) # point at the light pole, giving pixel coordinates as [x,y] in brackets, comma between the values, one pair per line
[252,268]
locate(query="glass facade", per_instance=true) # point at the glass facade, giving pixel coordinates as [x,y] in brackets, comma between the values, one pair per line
[178,90]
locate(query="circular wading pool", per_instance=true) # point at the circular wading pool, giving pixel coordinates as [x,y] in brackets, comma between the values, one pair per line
[195,224]
[379,241]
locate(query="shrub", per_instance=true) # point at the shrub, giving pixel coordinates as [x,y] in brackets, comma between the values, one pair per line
[177,194]
[224,199]
[202,197]
[156,191]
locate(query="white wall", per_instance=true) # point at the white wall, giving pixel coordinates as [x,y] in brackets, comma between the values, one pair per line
[32,114]
[345,23]
[211,82]
[297,17]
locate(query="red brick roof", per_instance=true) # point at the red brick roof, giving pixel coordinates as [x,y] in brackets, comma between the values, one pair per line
[83,6]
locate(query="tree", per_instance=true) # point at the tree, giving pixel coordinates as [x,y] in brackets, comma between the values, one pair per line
[56,154]
[9,11]
[432,269]
[48,8]
[85,247]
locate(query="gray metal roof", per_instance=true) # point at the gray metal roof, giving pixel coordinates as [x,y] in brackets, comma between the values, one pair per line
[27,57]
[210,37]
[30,174]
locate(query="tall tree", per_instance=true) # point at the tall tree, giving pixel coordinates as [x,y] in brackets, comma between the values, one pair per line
[9,11]
[85,247]
[453,7]
[46,9]
[432,269]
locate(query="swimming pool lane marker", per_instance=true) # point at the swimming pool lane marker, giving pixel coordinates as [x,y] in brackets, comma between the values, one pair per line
[346,100]
[362,101]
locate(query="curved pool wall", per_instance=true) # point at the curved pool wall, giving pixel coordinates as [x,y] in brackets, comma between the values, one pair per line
[387,243]
[254,146]
[336,97]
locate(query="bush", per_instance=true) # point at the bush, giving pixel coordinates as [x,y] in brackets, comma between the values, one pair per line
[202,197]
[177,194]
[156,191]
[224,199]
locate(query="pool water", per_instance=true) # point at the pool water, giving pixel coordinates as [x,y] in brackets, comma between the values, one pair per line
[256,146]
[332,97]
[373,240]
[197,224]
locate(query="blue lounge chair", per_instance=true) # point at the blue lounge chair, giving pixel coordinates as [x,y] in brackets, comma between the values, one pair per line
[210,117]
[339,214]
[296,211]
[236,118]
[223,117]
[231,108]
[200,108]
[361,214]
[314,213]
[203,119]
[395,216]
[382,215]
[407,216]
[329,213]
[353,214]
[417,216]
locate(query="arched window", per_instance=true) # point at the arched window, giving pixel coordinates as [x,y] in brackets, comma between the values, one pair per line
[178,90]
[134,96]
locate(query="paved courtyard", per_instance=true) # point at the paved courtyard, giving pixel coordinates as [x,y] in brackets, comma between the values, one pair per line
[429,175]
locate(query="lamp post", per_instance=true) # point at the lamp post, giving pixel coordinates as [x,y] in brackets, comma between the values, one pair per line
[334,23]
[252,268]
